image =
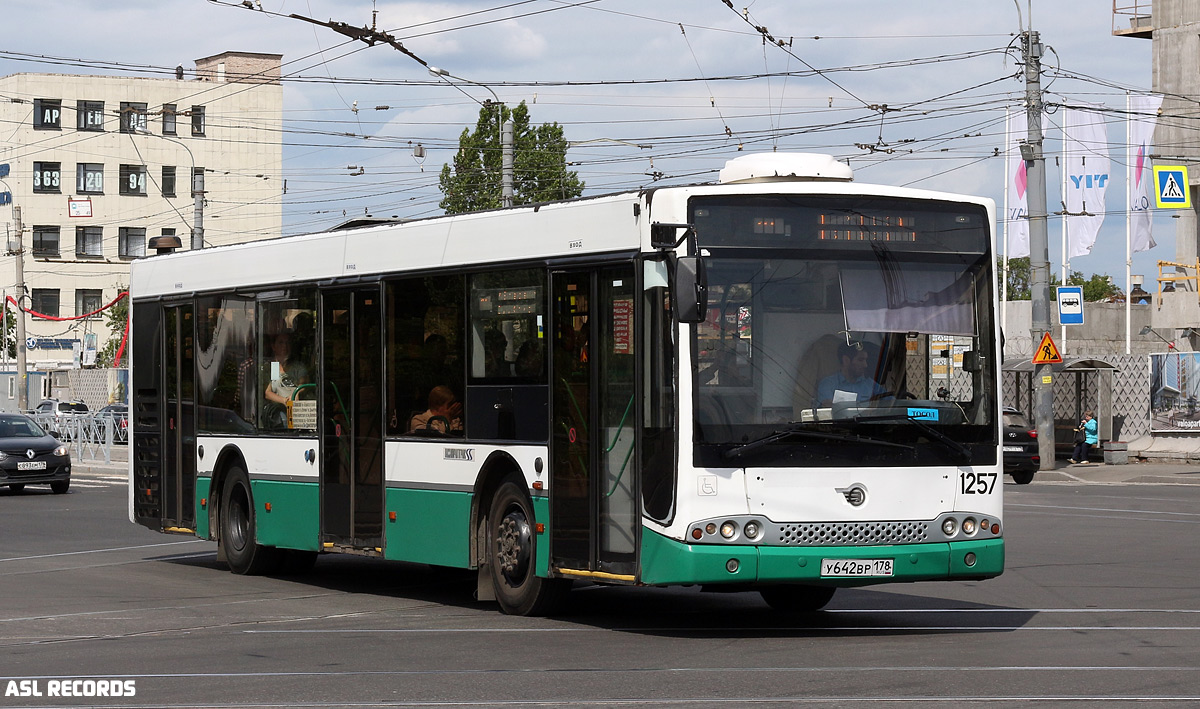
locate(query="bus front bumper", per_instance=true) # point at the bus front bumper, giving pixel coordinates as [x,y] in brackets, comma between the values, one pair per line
[670,562]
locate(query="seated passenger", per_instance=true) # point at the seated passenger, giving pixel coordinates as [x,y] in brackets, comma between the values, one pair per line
[444,414]
[850,382]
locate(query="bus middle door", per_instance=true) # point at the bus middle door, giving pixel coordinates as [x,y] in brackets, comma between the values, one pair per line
[593,491]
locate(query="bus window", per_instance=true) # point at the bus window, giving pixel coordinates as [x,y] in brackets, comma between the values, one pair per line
[226,378]
[288,350]
[425,353]
[508,326]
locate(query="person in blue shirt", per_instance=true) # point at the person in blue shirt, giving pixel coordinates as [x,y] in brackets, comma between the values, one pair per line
[850,382]
[1088,427]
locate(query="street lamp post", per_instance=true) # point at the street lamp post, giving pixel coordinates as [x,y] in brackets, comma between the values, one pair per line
[506,134]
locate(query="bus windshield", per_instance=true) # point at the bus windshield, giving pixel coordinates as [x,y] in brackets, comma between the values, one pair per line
[844,334]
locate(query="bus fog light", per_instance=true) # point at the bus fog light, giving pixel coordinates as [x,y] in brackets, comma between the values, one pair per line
[752,530]
[949,526]
[728,530]
[968,526]
[732,566]
[969,559]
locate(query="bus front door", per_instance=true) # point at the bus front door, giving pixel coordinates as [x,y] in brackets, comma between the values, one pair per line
[179,421]
[593,499]
[351,420]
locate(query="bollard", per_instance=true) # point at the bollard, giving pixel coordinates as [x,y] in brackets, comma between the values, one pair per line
[1116,453]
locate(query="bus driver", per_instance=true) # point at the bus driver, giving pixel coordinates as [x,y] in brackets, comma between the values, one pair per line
[850,382]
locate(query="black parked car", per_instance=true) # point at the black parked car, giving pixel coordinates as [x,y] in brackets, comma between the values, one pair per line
[30,456]
[1019,437]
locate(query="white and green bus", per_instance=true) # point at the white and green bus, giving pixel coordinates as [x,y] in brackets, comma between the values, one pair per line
[784,382]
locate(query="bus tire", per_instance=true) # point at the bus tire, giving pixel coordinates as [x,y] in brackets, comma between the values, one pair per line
[519,590]
[795,598]
[243,554]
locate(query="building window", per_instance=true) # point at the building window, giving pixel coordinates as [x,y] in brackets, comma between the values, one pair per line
[197,120]
[89,178]
[168,116]
[45,241]
[88,300]
[90,115]
[168,180]
[47,114]
[44,302]
[133,117]
[89,241]
[47,177]
[131,242]
[133,179]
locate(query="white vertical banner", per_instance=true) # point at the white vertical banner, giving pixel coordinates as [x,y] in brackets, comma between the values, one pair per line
[1015,183]
[1143,115]
[1085,149]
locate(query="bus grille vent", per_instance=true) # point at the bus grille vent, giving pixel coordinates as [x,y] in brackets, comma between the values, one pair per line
[853,533]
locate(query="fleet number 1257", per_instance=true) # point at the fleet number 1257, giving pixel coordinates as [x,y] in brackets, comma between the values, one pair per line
[977,483]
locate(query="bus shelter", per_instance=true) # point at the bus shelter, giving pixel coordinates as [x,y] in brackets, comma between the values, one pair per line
[1080,384]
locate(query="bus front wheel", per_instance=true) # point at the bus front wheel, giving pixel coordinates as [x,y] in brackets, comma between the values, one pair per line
[243,553]
[789,598]
[519,590]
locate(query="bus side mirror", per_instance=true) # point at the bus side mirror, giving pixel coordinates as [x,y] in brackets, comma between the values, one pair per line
[691,289]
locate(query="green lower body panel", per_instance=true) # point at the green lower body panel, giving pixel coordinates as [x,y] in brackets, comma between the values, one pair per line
[294,518]
[203,486]
[431,527]
[667,561]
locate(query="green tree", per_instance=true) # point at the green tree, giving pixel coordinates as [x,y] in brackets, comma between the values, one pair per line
[539,163]
[1095,288]
[115,319]
[1020,278]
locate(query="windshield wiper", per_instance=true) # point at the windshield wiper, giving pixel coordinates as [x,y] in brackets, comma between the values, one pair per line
[793,430]
[925,428]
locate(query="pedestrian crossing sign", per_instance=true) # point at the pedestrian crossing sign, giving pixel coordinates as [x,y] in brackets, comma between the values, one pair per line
[1171,183]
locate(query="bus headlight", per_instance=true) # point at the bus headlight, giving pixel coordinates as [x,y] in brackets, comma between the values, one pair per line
[949,526]
[968,526]
[752,530]
[729,529]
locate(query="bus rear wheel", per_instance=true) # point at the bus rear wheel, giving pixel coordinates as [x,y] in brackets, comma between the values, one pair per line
[243,554]
[794,598]
[518,589]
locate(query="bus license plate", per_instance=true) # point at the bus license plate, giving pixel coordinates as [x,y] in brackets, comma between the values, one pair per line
[856,567]
[31,465]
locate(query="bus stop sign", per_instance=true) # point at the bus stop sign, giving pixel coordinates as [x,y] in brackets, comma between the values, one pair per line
[1070,305]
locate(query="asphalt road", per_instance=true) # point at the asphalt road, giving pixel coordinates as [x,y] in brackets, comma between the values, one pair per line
[1097,606]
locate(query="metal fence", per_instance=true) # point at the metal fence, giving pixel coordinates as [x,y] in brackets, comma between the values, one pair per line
[91,436]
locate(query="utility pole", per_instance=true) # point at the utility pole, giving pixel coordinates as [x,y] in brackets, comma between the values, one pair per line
[22,364]
[1039,247]
[198,217]
[506,162]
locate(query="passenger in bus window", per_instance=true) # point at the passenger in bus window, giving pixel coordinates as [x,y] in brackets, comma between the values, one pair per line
[285,375]
[443,416]
[850,382]
[529,359]
[495,345]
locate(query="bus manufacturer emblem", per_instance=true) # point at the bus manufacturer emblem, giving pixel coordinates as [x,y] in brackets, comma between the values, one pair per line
[466,454]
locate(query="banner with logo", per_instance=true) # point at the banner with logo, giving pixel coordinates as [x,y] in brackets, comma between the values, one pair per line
[1015,184]
[1085,158]
[1143,116]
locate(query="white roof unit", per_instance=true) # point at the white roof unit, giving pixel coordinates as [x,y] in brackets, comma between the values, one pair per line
[768,167]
